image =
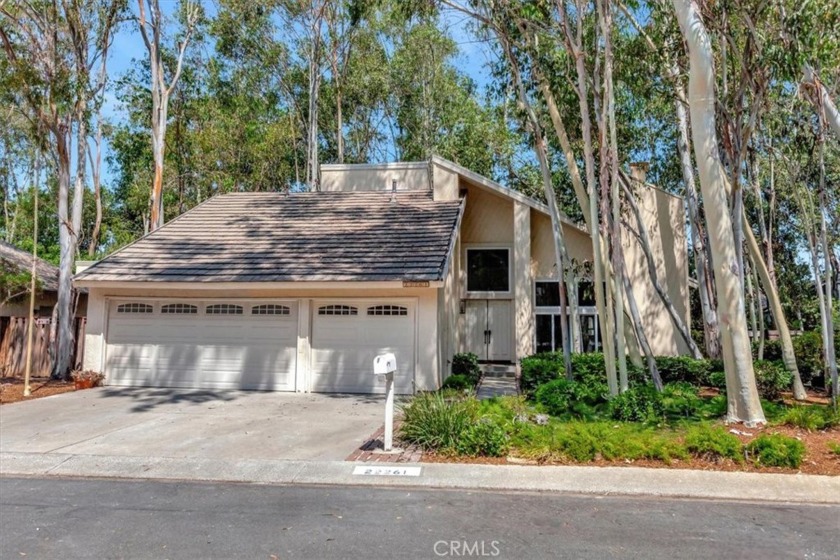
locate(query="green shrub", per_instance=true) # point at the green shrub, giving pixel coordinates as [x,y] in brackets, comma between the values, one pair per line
[642,403]
[539,369]
[680,400]
[437,421]
[772,350]
[834,447]
[811,417]
[466,364]
[459,382]
[561,397]
[776,450]
[717,379]
[808,349]
[684,369]
[713,443]
[587,441]
[589,368]
[772,378]
[555,396]
[484,438]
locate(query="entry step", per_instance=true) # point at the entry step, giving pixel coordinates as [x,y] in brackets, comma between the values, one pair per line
[499,370]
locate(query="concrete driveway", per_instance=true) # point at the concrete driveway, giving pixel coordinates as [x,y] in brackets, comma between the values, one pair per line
[175,423]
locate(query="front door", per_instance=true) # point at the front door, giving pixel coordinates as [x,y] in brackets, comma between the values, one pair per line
[490,329]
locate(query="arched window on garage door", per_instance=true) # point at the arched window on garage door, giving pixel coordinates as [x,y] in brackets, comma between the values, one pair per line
[270,309]
[338,310]
[179,309]
[224,309]
[387,310]
[134,308]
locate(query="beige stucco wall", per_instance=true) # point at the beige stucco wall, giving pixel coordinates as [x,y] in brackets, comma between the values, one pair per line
[409,176]
[578,245]
[664,215]
[446,184]
[488,218]
[427,365]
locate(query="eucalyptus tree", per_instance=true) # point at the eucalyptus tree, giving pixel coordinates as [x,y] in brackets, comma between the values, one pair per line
[743,403]
[51,48]
[152,25]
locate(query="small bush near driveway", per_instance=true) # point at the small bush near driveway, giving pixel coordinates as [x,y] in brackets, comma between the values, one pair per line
[776,450]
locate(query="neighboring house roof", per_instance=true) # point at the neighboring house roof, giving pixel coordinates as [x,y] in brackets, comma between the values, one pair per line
[20,261]
[275,237]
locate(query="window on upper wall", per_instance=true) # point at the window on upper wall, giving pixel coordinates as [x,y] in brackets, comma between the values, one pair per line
[547,294]
[586,293]
[488,270]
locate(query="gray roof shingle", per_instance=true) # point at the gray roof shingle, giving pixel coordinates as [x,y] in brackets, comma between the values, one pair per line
[273,237]
[18,260]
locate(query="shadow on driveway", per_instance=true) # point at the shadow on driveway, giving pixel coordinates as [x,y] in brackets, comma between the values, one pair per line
[150,398]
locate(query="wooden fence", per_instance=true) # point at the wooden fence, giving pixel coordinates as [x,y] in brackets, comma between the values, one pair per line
[13,346]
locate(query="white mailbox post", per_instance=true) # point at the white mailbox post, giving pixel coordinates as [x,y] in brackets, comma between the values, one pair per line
[386,364]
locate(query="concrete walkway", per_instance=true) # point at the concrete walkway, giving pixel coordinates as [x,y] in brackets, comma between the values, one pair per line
[496,387]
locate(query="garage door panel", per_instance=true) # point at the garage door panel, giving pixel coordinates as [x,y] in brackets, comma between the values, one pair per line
[130,362]
[344,347]
[203,351]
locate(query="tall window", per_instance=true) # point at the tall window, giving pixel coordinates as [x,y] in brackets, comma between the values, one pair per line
[547,320]
[488,270]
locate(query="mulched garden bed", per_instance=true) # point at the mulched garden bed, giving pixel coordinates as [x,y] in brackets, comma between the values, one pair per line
[818,457]
[11,388]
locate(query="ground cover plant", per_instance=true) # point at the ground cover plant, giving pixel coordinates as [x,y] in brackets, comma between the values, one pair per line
[556,420]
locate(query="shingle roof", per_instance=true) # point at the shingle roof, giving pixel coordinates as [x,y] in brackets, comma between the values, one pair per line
[21,261]
[273,237]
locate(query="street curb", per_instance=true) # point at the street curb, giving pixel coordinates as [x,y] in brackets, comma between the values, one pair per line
[627,481]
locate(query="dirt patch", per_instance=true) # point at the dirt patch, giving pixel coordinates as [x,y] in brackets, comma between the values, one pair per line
[11,388]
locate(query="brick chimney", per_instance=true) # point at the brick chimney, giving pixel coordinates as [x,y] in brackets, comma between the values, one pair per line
[638,170]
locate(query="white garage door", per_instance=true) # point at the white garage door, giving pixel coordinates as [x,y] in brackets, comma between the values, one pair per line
[347,335]
[202,344]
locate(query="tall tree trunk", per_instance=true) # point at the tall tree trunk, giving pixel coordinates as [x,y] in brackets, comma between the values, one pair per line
[312,158]
[761,327]
[647,250]
[598,264]
[774,302]
[67,244]
[96,175]
[81,168]
[565,145]
[711,329]
[653,370]
[161,91]
[610,140]
[828,332]
[742,393]
[560,252]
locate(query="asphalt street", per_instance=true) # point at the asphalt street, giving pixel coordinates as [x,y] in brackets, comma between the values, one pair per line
[75,518]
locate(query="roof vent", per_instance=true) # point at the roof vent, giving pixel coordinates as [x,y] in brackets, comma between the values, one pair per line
[393,190]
